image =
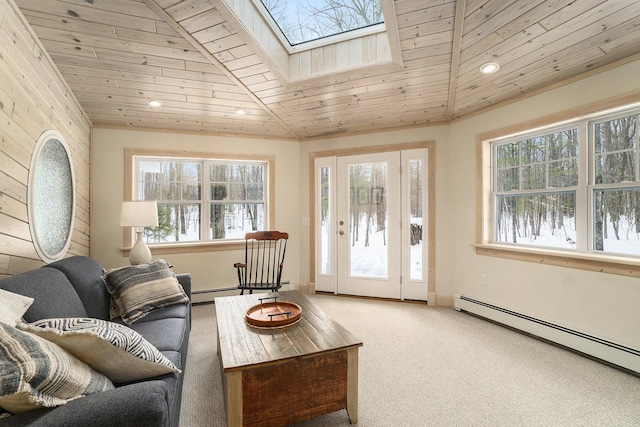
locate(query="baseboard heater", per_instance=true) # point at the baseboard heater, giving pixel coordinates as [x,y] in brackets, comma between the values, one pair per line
[209,291]
[208,295]
[604,350]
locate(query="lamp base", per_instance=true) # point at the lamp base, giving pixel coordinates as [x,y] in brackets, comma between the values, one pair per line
[140,253]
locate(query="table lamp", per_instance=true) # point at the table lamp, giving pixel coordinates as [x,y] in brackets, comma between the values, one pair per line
[139,214]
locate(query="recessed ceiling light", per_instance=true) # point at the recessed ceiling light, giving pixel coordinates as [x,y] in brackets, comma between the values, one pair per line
[241,111]
[489,67]
[155,102]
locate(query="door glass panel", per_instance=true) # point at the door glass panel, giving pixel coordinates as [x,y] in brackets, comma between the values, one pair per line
[325,221]
[368,220]
[415,218]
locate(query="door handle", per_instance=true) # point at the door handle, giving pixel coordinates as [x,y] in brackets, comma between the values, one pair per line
[341,232]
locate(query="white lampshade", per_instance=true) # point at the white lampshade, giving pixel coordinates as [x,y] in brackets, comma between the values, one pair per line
[139,214]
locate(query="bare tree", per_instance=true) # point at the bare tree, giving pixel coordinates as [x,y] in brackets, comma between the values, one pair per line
[316,19]
[337,16]
[285,17]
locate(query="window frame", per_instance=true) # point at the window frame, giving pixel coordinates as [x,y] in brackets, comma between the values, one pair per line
[579,189]
[606,262]
[205,157]
[274,26]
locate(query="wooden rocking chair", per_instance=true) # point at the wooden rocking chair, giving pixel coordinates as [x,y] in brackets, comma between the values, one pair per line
[263,261]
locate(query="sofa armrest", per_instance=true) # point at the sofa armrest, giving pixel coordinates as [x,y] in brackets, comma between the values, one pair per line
[185,280]
[138,404]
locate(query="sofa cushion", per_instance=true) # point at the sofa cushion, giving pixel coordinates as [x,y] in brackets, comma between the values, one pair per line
[139,404]
[164,334]
[180,311]
[85,273]
[13,306]
[53,294]
[140,289]
[37,373]
[115,350]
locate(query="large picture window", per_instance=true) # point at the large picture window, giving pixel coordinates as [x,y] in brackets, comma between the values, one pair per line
[574,188]
[202,200]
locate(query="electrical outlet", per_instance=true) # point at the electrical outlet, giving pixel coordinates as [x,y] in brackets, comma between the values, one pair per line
[305,222]
[483,279]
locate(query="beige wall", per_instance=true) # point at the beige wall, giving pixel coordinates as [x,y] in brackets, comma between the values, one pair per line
[33,99]
[210,270]
[600,304]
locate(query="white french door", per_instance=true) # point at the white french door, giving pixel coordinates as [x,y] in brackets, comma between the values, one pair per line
[369,232]
[369,224]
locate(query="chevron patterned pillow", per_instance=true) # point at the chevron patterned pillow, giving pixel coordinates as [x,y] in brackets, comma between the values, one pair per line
[115,350]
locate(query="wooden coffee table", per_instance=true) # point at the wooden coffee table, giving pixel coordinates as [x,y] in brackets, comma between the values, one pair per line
[276,377]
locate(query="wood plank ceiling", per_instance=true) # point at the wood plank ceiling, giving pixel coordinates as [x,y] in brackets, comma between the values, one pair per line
[191,55]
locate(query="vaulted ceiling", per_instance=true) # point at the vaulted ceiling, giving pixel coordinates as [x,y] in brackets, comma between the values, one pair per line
[206,59]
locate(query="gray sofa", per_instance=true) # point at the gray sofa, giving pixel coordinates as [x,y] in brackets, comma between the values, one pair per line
[73,287]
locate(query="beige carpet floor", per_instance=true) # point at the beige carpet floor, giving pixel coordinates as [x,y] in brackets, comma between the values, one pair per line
[425,366]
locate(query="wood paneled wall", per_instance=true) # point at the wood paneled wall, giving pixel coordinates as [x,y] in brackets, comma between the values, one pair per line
[347,55]
[34,98]
[246,18]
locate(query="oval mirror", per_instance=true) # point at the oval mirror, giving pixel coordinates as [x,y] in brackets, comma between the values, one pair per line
[51,197]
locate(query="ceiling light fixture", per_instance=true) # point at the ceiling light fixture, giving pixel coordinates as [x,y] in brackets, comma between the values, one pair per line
[489,68]
[155,102]
[241,111]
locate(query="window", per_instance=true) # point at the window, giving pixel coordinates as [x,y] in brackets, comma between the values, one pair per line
[202,199]
[301,22]
[574,188]
[536,181]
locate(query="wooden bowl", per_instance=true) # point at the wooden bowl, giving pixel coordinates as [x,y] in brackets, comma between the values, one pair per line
[276,314]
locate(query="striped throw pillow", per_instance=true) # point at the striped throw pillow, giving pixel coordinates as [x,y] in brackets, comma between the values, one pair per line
[112,349]
[139,289]
[37,373]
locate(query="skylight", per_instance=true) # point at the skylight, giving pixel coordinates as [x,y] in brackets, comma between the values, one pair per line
[302,21]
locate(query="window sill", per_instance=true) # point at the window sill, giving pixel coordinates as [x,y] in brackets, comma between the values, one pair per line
[191,247]
[624,266]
